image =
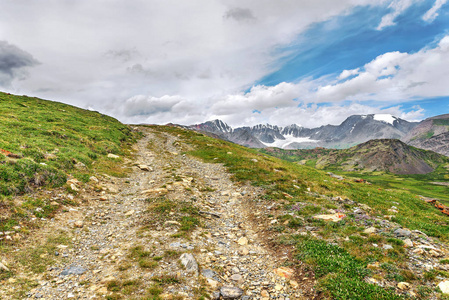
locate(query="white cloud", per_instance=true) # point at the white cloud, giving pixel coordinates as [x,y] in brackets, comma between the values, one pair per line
[347,73]
[394,76]
[432,13]
[397,7]
[99,55]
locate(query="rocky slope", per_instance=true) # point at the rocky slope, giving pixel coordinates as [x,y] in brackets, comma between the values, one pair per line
[383,155]
[175,228]
[431,134]
[354,130]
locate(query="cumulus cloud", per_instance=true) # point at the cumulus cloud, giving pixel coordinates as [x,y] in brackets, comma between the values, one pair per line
[13,60]
[395,76]
[146,105]
[432,13]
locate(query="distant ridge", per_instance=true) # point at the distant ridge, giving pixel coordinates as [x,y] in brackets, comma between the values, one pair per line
[354,130]
[431,134]
[387,155]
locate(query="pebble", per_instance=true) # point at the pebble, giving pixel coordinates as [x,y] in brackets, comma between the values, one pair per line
[189,262]
[228,292]
[73,270]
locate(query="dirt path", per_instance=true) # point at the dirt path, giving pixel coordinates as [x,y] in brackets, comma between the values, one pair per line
[177,230]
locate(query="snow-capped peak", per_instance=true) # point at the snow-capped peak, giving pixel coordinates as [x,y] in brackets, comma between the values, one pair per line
[386,118]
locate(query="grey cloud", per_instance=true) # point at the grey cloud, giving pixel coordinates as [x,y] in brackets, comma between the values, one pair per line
[239,14]
[12,62]
[415,84]
[147,105]
[123,54]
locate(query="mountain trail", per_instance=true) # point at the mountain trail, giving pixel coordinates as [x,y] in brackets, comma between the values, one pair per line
[174,228]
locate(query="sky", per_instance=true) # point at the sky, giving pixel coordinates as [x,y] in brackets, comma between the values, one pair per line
[246,62]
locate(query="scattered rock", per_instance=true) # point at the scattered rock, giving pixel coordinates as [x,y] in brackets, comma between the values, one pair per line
[129,213]
[78,224]
[228,292]
[236,277]
[402,232]
[387,247]
[189,262]
[370,230]
[110,155]
[155,192]
[403,285]
[284,272]
[73,270]
[145,168]
[3,267]
[243,241]
[408,243]
[444,286]
[172,223]
[332,217]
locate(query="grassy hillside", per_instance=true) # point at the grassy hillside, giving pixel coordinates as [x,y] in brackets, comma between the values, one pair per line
[51,139]
[43,143]
[340,252]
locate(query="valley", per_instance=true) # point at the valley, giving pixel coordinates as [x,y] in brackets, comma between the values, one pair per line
[165,212]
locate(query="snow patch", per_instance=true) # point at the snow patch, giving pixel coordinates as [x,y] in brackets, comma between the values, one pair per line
[289,139]
[387,118]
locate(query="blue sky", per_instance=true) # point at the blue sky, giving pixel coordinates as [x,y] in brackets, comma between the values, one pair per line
[350,41]
[309,62]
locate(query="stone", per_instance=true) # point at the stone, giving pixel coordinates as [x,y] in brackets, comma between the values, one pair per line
[284,272]
[155,192]
[418,251]
[54,203]
[403,285]
[78,224]
[294,284]
[172,223]
[244,251]
[242,241]
[145,168]
[80,166]
[189,262]
[129,213]
[265,294]
[434,253]
[236,277]
[73,270]
[332,217]
[278,287]
[444,286]
[402,232]
[387,247]
[94,179]
[254,160]
[103,198]
[3,267]
[229,292]
[208,273]
[370,230]
[212,283]
[110,155]
[408,243]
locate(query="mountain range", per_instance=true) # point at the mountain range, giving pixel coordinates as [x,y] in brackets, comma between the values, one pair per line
[354,130]
[430,134]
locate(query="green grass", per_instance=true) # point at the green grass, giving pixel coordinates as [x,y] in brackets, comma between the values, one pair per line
[52,138]
[52,141]
[340,268]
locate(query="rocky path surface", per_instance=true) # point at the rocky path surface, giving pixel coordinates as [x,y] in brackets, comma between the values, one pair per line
[175,228]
